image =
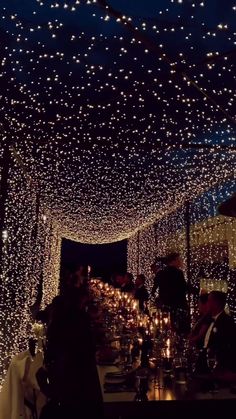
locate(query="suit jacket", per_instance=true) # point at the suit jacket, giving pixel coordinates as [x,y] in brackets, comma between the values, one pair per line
[70,357]
[222,341]
[141,294]
[203,322]
[172,287]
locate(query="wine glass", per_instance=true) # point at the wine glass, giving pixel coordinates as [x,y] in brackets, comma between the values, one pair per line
[155,362]
[212,364]
[211,361]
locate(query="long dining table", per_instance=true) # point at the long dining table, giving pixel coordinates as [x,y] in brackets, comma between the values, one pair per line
[166,398]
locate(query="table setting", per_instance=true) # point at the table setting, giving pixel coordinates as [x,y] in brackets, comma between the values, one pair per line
[150,361]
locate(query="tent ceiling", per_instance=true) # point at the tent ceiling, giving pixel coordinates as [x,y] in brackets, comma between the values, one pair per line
[110,125]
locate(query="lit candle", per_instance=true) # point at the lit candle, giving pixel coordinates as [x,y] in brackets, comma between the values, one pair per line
[165,321]
[140,341]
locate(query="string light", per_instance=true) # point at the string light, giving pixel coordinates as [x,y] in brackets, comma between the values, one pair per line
[113,142]
[133,255]
[21,265]
[212,244]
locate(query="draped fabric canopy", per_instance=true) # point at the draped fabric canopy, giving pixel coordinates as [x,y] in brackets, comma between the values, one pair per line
[120,110]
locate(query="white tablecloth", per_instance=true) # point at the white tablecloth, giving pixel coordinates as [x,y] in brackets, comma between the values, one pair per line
[21,383]
[112,397]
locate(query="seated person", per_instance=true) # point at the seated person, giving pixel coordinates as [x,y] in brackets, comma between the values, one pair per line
[197,335]
[140,292]
[220,338]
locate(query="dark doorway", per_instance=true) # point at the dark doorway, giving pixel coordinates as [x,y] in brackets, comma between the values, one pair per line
[105,259]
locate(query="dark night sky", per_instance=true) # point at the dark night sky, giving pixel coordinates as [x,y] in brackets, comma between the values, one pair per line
[104,258]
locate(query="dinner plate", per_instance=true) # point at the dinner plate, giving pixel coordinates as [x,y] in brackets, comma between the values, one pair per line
[114,380]
[116,374]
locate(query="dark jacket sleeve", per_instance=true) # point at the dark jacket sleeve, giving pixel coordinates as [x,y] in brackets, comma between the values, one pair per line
[223,342]
[156,283]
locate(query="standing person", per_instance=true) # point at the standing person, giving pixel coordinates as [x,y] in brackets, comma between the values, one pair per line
[73,382]
[141,292]
[172,292]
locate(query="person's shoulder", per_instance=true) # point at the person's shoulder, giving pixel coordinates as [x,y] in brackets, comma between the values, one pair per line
[161,273]
[206,319]
[226,320]
[179,273]
[158,274]
[223,315]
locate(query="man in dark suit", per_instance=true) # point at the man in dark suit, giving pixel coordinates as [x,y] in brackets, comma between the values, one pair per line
[172,292]
[171,283]
[220,338]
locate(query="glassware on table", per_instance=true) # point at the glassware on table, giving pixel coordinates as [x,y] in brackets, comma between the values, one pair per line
[167,364]
[156,372]
[155,362]
[142,385]
[180,370]
[211,361]
[212,365]
[125,362]
[167,357]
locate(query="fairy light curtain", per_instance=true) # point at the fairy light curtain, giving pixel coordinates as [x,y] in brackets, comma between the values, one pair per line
[166,235]
[19,266]
[30,261]
[212,243]
[133,254]
[118,118]
[52,262]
